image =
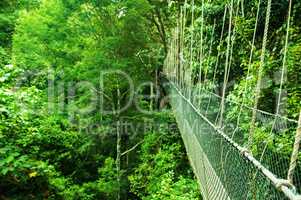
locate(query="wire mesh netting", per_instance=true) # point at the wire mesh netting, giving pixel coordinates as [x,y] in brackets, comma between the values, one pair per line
[224,137]
[273,137]
[223,172]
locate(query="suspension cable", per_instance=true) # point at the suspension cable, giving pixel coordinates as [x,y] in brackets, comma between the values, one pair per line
[260,74]
[226,65]
[249,67]
[191,48]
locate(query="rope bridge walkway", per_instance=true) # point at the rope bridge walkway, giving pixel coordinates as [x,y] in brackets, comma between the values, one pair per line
[236,150]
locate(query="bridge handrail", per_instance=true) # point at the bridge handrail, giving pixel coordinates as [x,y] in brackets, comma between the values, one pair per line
[277,182]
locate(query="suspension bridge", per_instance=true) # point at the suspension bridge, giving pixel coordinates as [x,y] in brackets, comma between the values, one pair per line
[237,151]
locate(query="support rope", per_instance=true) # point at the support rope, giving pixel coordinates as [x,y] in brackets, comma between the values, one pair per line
[201,50]
[260,74]
[249,67]
[210,50]
[226,66]
[283,70]
[191,49]
[218,55]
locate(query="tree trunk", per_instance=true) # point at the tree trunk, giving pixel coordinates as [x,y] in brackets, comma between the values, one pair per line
[118,144]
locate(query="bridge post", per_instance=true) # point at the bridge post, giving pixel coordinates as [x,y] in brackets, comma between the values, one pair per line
[295,153]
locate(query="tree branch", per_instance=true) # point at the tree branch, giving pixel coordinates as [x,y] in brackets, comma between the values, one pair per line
[133,148]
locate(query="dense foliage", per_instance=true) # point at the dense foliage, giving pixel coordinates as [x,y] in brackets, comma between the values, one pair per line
[216,41]
[57,142]
[243,25]
[64,75]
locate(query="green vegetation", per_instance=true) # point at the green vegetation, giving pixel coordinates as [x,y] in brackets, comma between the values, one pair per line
[62,136]
[206,40]
[67,68]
